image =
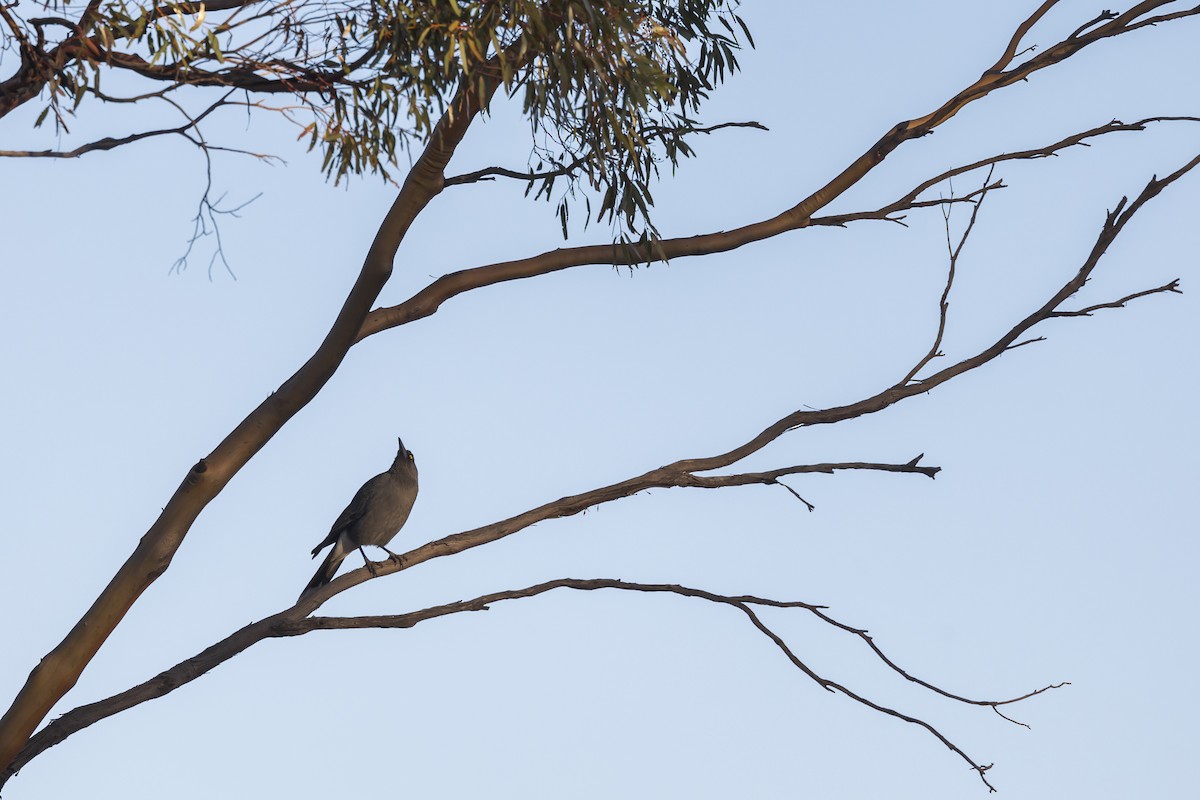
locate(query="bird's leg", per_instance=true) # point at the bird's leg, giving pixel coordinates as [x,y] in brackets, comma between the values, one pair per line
[392,556]
[370,564]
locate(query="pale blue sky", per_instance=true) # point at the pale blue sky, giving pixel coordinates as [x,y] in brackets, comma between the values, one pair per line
[1057,544]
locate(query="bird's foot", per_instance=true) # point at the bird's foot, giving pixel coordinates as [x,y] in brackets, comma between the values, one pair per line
[368,563]
[393,557]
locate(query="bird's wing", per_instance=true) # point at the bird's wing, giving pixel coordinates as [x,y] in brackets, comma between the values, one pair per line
[356,509]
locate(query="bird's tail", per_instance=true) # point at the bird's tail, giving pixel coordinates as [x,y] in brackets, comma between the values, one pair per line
[329,567]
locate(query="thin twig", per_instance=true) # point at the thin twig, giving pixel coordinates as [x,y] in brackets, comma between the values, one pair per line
[944,303]
[1173,287]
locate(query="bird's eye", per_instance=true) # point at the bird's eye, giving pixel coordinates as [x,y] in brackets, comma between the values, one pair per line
[410,456]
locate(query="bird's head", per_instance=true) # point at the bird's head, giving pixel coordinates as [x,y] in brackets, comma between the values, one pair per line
[405,461]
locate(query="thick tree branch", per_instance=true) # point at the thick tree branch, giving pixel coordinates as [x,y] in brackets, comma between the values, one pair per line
[680,473]
[427,301]
[291,622]
[38,66]
[59,670]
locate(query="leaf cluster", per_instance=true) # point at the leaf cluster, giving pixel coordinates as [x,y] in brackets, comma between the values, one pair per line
[610,88]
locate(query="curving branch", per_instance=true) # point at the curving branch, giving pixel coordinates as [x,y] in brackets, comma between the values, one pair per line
[58,671]
[1172,286]
[954,252]
[682,472]
[110,143]
[909,200]
[292,622]
[491,173]
[428,300]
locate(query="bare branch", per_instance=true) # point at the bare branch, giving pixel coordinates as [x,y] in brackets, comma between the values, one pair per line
[683,471]
[427,301]
[1173,286]
[795,494]
[57,672]
[293,622]
[832,686]
[1103,16]
[1010,52]
[109,143]
[566,169]
[909,200]
[944,303]
[773,476]
[1147,23]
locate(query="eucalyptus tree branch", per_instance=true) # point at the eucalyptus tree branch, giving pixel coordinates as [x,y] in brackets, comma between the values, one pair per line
[1103,16]
[37,65]
[661,131]
[681,472]
[427,301]
[209,6]
[909,200]
[490,173]
[944,304]
[58,671]
[294,622]
[771,477]
[109,143]
[657,132]
[289,78]
[14,26]
[1173,287]
[833,686]
[1152,21]
[1010,51]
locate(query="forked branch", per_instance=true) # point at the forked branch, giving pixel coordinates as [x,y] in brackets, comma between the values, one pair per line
[427,301]
[683,472]
[292,622]
[57,672]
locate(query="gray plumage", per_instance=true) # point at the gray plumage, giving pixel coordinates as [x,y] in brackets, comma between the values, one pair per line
[375,515]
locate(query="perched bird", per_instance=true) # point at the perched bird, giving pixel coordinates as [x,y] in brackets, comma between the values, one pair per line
[375,515]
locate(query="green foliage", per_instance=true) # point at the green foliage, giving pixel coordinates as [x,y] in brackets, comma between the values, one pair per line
[607,87]
[610,87]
